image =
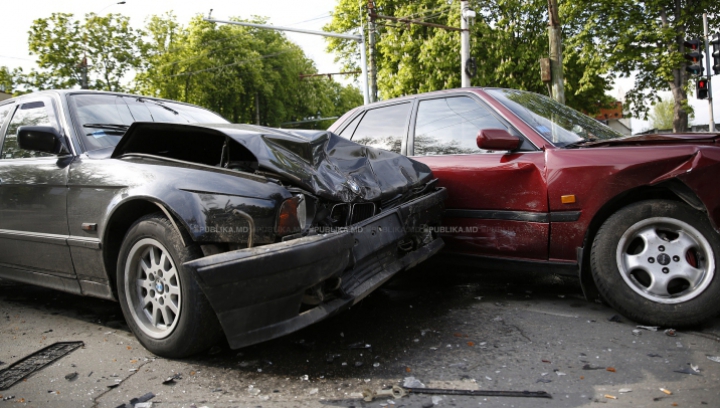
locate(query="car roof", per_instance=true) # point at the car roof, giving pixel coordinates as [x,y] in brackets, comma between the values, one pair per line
[62,92]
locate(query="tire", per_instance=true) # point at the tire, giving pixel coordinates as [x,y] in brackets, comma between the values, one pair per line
[656,263]
[161,301]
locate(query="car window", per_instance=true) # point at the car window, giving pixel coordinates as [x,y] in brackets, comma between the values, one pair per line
[350,129]
[383,128]
[28,114]
[451,125]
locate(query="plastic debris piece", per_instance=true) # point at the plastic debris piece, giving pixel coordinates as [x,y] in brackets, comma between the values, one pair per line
[559,373]
[687,370]
[305,378]
[654,355]
[71,376]
[592,367]
[545,361]
[331,357]
[148,404]
[636,332]
[695,368]
[615,318]
[544,380]
[21,369]
[412,382]
[714,358]
[648,328]
[611,369]
[478,297]
[670,332]
[376,365]
[313,391]
[608,396]
[171,379]
[668,392]
[360,345]
[624,390]
[436,400]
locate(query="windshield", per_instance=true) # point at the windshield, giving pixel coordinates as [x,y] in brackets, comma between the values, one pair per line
[558,124]
[103,118]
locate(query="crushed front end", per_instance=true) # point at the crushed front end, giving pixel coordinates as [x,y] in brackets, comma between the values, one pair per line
[340,253]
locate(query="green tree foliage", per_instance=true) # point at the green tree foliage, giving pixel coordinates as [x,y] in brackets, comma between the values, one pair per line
[108,43]
[662,114]
[507,40]
[237,71]
[642,37]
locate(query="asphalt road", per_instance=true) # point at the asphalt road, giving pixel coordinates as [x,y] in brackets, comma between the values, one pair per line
[448,329]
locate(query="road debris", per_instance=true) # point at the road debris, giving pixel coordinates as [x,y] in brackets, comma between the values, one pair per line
[668,392]
[71,376]
[361,345]
[670,332]
[608,396]
[649,328]
[636,332]
[412,382]
[592,367]
[687,370]
[611,369]
[139,400]
[714,358]
[654,355]
[544,380]
[398,392]
[35,362]
[171,380]
[624,390]
[615,318]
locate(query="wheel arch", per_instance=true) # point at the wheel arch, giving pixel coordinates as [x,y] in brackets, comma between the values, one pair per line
[120,221]
[672,189]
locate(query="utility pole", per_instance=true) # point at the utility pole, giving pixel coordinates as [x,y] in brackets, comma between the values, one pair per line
[711,122]
[372,64]
[464,44]
[556,60]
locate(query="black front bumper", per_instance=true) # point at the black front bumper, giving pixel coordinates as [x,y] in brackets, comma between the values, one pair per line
[257,292]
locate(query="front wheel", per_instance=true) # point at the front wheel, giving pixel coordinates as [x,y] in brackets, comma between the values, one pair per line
[655,262]
[161,301]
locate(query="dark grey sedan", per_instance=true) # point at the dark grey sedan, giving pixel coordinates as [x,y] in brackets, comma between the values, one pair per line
[202,229]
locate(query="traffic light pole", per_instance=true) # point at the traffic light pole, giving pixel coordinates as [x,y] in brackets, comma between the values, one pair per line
[711,121]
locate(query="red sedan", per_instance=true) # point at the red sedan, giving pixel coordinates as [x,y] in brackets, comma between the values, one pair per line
[535,184]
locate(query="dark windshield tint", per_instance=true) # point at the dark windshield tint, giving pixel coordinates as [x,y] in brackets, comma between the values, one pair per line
[103,118]
[558,124]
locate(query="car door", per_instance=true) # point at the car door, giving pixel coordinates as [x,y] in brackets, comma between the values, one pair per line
[33,220]
[497,204]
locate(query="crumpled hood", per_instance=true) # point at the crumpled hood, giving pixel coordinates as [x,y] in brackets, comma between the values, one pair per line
[658,139]
[318,161]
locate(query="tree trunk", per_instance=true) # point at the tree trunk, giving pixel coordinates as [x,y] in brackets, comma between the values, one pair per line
[677,85]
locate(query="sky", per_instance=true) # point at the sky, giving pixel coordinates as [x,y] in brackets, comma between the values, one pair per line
[18,16]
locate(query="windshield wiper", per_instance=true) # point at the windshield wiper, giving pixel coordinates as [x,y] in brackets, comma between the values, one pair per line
[111,126]
[143,100]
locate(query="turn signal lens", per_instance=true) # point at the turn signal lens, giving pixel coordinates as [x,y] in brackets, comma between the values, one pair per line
[567,199]
[291,218]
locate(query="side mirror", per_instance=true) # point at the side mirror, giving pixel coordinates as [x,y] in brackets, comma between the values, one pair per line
[44,139]
[497,139]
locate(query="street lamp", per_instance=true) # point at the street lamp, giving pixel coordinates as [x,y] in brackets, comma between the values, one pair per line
[83,63]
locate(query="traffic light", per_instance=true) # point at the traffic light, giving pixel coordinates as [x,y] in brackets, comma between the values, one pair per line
[701,91]
[715,41]
[694,56]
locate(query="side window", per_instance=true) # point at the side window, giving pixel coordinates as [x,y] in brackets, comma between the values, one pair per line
[5,113]
[349,129]
[383,128]
[450,126]
[28,114]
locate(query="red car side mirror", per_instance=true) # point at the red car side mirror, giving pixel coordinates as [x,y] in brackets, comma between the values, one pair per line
[497,139]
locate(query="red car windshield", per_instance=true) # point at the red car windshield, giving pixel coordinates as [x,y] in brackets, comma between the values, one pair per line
[558,124]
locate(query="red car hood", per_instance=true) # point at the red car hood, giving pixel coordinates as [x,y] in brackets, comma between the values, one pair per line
[655,139]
